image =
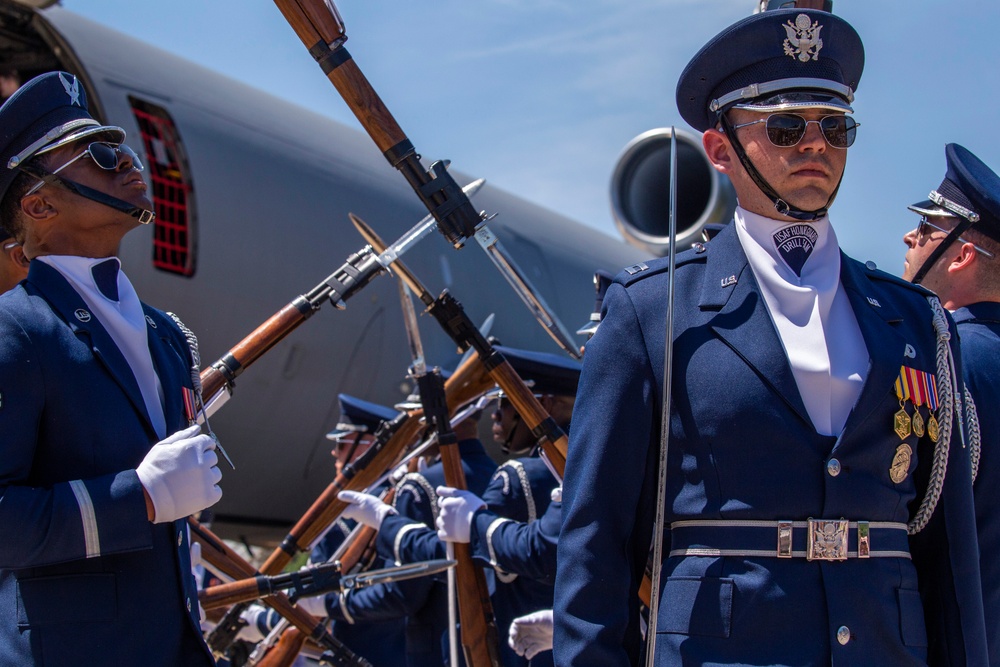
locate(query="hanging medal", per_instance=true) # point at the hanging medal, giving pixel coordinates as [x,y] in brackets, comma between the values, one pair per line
[901,420]
[933,429]
[918,395]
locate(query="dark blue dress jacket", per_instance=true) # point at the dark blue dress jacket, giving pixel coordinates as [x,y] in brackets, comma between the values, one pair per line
[743,447]
[86,579]
[979,330]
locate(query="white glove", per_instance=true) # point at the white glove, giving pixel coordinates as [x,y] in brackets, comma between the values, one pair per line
[252,615]
[365,509]
[556,494]
[315,605]
[455,510]
[531,634]
[181,475]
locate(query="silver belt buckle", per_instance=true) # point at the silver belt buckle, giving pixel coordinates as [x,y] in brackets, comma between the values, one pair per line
[827,539]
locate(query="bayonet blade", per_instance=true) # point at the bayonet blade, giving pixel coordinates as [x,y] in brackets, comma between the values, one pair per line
[427,225]
[401,573]
[525,290]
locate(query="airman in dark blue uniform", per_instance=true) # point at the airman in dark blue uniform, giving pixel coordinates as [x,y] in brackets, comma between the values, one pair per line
[813,398]
[99,463]
[955,251]
[380,642]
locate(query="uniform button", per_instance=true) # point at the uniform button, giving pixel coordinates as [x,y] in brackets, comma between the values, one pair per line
[870,265]
[180,538]
[843,634]
[189,609]
[833,467]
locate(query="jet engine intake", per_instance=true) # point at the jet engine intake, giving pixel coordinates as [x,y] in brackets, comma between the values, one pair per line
[640,191]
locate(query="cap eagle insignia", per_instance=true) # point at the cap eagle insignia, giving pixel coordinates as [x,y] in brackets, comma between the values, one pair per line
[72,89]
[803,38]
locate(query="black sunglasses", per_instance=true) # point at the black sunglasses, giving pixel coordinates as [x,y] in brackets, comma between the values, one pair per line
[787,129]
[925,228]
[106,156]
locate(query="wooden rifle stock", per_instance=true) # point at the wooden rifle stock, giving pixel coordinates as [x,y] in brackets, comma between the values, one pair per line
[251,348]
[321,30]
[283,653]
[466,383]
[478,628]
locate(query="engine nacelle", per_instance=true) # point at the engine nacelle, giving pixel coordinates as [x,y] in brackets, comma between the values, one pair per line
[640,191]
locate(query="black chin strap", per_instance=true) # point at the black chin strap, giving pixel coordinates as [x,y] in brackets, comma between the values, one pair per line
[144,216]
[940,250]
[780,205]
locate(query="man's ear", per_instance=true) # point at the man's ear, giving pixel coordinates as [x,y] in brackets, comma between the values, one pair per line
[17,256]
[965,258]
[718,150]
[38,207]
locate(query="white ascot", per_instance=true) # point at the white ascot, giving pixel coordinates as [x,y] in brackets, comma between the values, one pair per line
[124,321]
[810,311]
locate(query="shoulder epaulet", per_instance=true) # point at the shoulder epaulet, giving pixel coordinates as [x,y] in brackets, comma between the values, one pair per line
[653,267]
[875,273]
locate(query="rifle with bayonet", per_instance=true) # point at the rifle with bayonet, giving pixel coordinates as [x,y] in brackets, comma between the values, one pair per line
[466,383]
[479,632]
[312,581]
[285,641]
[359,269]
[456,323]
[216,553]
[321,29]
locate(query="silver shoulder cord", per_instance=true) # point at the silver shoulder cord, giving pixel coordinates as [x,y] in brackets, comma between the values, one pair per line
[668,349]
[956,406]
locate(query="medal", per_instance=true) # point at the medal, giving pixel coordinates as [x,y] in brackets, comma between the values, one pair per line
[900,467]
[901,422]
[918,424]
[932,428]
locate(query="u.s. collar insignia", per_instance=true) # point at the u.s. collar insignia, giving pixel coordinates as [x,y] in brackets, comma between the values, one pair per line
[803,38]
[728,282]
[82,315]
[150,322]
[72,89]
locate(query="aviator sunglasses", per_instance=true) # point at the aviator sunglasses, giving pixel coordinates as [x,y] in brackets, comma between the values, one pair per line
[787,129]
[106,156]
[925,226]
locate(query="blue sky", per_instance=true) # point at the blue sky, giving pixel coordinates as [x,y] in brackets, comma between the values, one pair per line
[540,96]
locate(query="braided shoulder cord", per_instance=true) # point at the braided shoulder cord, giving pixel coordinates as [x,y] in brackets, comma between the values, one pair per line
[948,384]
[192,342]
[975,437]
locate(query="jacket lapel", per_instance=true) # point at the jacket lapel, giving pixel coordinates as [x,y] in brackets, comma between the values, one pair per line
[878,321]
[71,307]
[743,321]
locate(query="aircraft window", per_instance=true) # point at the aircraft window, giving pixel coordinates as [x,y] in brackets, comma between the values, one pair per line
[174,247]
